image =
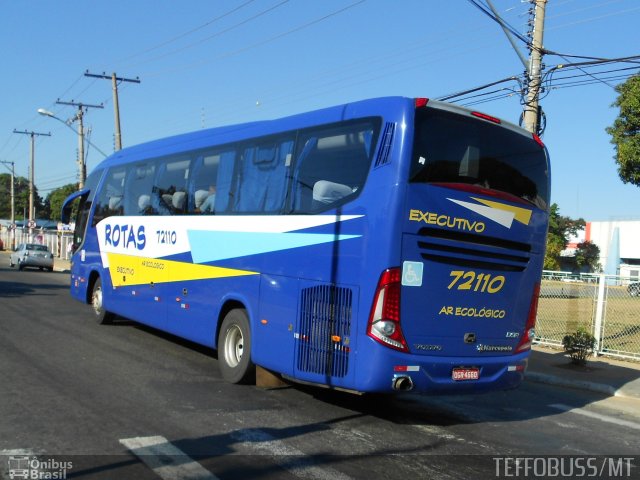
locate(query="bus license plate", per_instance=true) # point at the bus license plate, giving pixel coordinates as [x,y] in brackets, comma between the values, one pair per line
[460,374]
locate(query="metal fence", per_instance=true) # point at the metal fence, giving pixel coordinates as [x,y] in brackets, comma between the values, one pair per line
[603,305]
[58,242]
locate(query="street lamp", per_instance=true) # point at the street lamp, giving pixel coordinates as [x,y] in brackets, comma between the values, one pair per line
[82,139]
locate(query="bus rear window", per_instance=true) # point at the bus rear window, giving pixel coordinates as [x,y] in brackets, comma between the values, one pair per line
[451,148]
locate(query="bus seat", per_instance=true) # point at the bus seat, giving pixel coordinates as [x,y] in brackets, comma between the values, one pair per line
[326,192]
[144,201]
[178,201]
[167,199]
[115,202]
[200,197]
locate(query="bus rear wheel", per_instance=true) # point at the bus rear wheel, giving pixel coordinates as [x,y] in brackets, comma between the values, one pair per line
[102,316]
[234,348]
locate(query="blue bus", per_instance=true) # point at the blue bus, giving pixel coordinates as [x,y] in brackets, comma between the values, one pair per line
[390,244]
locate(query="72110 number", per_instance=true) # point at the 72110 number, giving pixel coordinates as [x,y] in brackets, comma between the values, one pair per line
[476,282]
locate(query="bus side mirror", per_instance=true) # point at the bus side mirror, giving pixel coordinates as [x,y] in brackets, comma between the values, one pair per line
[68,204]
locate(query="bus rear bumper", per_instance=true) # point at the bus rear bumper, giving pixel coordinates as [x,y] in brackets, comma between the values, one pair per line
[439,375]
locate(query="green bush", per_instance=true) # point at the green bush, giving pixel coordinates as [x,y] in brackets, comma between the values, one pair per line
[579,346]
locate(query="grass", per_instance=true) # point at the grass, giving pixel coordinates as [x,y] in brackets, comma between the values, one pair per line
[561,315]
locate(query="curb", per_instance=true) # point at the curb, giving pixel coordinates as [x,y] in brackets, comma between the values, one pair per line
[577,384]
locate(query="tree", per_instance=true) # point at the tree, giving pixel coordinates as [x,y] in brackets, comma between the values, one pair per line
[21,190]
[588,254]
[625,131]
[560,229]
[56,198]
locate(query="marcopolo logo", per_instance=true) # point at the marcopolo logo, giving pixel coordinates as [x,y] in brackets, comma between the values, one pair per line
[24,466]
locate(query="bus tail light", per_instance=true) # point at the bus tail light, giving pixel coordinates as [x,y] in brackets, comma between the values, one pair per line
[384,320]
[484,116]
[421,102]
[538,140]
[529,329]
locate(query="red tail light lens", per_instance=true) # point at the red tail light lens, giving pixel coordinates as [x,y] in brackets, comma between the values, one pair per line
[538,140]
[384,320]
[484,116]
[528,334]
[421,102]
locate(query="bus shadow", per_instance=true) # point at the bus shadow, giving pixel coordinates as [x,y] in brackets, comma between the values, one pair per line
[20,289]
[530,401]
[119,322]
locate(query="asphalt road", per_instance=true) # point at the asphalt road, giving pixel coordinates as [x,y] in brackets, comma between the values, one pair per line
[125,401]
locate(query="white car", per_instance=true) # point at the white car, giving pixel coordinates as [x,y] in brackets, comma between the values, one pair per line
[32,255]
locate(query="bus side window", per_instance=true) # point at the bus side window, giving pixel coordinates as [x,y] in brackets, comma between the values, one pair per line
[110,199]
[263,175]
[225,185]
[139,182]
[171,186]
[205,179]
[332,166]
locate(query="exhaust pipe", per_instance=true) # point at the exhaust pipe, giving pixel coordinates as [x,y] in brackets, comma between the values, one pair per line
[402,383]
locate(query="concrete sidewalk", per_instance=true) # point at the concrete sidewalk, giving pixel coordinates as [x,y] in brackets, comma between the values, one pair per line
[61,265]
[601,374]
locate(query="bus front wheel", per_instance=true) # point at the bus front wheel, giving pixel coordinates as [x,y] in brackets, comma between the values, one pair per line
[102,316]
[234,348]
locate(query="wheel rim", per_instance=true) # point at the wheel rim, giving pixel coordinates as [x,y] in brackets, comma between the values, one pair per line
[97,300]
[233,346]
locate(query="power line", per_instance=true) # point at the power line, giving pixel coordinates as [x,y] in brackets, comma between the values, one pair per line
[115,81]
[188,32]
[263,42]
[217,34]
[500,22]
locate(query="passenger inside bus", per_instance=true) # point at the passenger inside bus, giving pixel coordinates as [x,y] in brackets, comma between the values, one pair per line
[207,199]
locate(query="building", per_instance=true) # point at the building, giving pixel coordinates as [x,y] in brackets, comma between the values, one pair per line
[619,244]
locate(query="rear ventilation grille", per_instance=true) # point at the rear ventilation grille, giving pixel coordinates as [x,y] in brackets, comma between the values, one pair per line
[473,251]
[385,147]
[325,329]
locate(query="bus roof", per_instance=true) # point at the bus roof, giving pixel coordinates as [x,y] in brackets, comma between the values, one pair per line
[395,106]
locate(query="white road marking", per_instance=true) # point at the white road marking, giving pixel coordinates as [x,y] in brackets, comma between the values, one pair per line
[289,458]
[16,451]
[604,418]
[166,460]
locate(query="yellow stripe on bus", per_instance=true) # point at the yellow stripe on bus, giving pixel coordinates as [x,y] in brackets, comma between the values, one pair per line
[522,215]
[130,270]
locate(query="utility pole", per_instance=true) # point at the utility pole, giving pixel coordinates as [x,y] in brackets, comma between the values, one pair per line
[82,166]
[32,134]
[116,106]
[13,203]
[531,114]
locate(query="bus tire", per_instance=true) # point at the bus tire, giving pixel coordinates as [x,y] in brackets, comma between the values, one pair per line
[234,348]
[102,316]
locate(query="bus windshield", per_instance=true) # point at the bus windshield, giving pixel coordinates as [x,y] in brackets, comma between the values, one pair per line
[453,149]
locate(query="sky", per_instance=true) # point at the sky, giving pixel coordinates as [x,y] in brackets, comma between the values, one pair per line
[209,63]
